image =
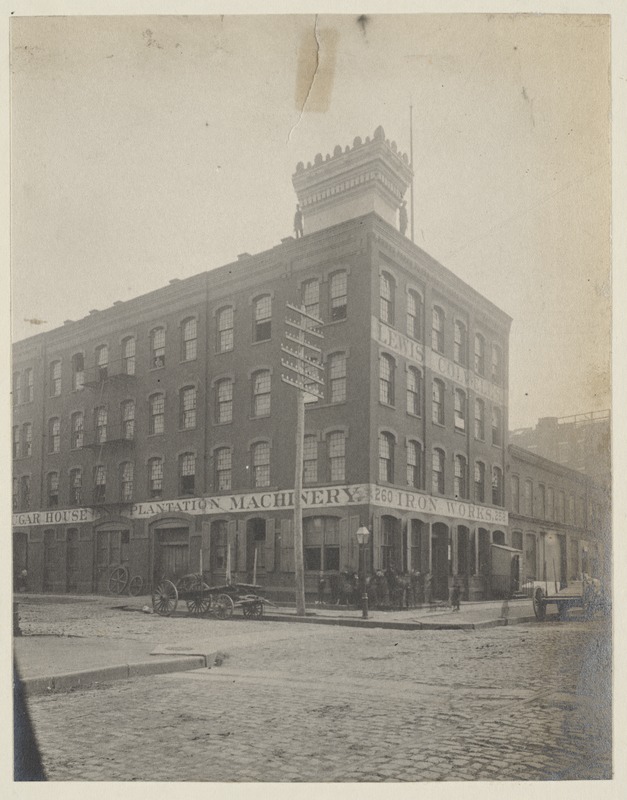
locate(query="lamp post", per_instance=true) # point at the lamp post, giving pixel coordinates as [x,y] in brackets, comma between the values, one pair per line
[363,534]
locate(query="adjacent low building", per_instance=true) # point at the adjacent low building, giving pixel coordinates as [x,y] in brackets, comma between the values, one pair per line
[157,434]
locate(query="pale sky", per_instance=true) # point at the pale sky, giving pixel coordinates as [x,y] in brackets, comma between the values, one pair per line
[151,148]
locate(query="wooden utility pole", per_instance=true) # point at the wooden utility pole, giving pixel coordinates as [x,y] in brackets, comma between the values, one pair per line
[303,362]
[411,164]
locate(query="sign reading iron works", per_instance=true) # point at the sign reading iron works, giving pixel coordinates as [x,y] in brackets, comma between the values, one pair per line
[327,497]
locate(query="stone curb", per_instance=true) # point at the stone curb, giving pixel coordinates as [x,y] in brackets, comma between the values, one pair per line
[399,626]
[84,678]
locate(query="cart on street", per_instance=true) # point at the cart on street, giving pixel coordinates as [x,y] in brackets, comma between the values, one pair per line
[204,600]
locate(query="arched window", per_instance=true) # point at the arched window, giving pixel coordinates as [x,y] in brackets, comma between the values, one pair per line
[550,511]
[54,435]
[126,481]
[55,378]
[128,419]
[78,372]
[515,482]
[155,477]
[437,330]
[460,484]
[156,423]
[561,507]
[497,364]
[386,457]
[460,410]
[28,385]
[479,419]
[386,379]
[338,288]
[460,344]
[437,402]
[336,451]
[310,459]
[497,486]
[224,401]
[386,298]
[222,458]
[53,489]
[414,465]
[77,430]
[262,387]
[321,543]
[76,487]
[437,480]
[528,499]
[541,500]
[479,482]
[310,298]
[414,315]
[224,333]
[187,473]
[479,354]
[157,348]
[100,483]
[414,391]
[25,492]
[128,355]
[27,440]
[102,362]
[261,464]
[497,426]
[100,423]
[17,389]
[337,377]
[187,407]
[189,339]
[262,321]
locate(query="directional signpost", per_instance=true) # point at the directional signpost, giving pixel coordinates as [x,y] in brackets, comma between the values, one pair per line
[302,362]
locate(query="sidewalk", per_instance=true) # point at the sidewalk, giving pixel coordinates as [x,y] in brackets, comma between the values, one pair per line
[49,662]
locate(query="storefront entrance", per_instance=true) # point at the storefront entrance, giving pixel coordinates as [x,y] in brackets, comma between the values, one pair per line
[111,552]
[20,556]
[255,548]
[440,560]
[71,561]
[171,559]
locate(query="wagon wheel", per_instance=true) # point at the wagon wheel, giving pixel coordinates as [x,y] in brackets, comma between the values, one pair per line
[254,610]
[199,603]
[118,580]
[539,606]
[135,585]
[224,606]
[165,598]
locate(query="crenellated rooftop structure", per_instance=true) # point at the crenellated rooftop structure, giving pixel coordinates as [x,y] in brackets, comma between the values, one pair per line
[371,176]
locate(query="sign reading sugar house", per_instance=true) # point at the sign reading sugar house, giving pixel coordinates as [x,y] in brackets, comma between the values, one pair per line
[327,497]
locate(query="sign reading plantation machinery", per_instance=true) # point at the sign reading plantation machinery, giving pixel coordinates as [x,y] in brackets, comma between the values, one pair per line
[327,497]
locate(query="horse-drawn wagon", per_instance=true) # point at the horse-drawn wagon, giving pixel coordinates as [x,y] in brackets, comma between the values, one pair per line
[203,600]
[586,594]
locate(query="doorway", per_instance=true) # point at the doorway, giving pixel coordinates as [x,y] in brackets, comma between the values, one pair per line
[71,562]
[440,560]
[255,548]
[171,559]
[49,556]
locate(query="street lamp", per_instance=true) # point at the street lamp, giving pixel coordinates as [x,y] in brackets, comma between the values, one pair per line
[363,534]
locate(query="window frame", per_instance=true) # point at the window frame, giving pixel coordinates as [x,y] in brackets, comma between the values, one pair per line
[338,311]
[262,325]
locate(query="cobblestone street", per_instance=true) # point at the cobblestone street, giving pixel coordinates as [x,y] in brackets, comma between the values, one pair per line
[313,703]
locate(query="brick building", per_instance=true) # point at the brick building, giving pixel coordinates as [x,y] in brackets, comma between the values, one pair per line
[158,429]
